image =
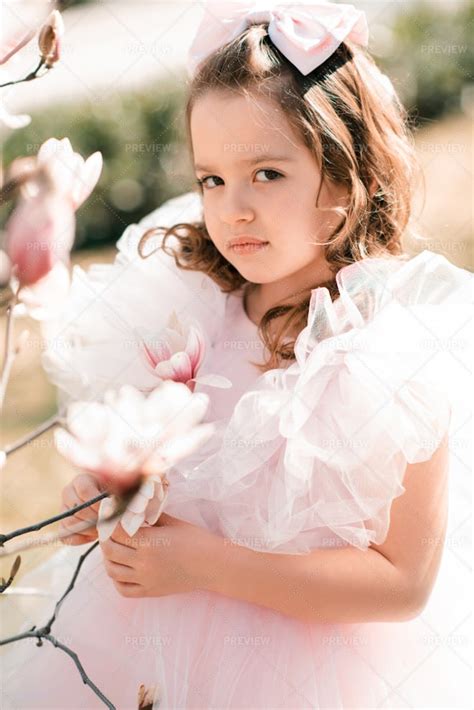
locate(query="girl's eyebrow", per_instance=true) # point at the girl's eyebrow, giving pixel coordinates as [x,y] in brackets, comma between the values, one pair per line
[261,158]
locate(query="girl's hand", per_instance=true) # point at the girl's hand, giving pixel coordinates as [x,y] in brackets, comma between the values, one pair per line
[167,558]
[81,489]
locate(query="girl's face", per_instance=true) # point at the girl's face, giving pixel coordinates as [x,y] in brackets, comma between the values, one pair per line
[259,180]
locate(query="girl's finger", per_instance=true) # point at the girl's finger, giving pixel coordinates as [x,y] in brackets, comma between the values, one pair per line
[86,487]
[120,573]
[117,553]
[121,537]
[77,539]
[72,523]
[70,500]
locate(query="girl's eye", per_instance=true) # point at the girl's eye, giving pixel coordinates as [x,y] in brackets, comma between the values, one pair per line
[203,181]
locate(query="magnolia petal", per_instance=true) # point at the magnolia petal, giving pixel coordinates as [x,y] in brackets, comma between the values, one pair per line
[62,163]
[176,340]
[87,179]
[154,509]
[169,401]
[155,464]
[165,370]
[176,392]
[174,323]
[131,522]
[44,300]
[152,517]
[88,421]
[195,347]
[72,178]
[38,234]
[73,451]
[181,446]
[121,461]
[181,364]
[126,399]
[48,150]
[156,351]
[138,503]
[188,416]
[19,120]
[71,174]
[105,528]
[214,381]
[148,487]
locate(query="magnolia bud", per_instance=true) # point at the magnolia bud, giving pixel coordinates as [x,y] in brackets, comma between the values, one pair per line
[49,40]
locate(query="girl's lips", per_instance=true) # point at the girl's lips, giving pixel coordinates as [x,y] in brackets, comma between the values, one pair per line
[249,247]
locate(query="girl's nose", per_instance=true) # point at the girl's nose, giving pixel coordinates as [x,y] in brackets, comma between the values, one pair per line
[236,208]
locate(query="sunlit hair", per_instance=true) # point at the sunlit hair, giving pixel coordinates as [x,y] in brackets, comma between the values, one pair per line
[360,138]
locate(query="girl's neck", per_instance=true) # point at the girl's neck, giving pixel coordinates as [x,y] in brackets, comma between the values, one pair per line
[259,298]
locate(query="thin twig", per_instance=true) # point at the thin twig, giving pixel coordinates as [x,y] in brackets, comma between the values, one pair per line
[22,441]
[47,637]
[45,632]
[81,527]
[29,77]
[47,539]
[49,521]
[47,627]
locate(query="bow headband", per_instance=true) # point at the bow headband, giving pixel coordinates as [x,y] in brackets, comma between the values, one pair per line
[306,33]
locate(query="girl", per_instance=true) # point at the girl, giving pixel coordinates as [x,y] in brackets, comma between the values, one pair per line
[296,562]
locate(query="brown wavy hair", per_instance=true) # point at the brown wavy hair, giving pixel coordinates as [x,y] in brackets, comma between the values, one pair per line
[361,139]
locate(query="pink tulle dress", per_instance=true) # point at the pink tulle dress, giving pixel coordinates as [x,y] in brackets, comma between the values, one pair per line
[307,456]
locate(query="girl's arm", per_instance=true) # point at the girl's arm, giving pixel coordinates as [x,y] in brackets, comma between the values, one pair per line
[389,582]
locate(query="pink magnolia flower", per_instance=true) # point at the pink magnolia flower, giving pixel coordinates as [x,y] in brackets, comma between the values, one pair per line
[145,507]
[129,435]
[40,231]
[73,177]
[177,354]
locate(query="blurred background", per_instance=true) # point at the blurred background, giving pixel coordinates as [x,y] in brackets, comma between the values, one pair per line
[120,89]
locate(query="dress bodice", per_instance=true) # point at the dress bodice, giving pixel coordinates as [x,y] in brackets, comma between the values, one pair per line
[237,346]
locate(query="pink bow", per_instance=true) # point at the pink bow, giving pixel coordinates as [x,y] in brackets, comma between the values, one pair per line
[306,33]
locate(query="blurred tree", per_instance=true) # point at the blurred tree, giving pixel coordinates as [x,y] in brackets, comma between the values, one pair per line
[141,139]
[432,58]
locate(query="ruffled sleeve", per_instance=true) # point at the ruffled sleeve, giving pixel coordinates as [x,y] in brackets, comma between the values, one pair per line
[315,454]
[96,342]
